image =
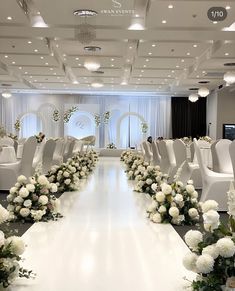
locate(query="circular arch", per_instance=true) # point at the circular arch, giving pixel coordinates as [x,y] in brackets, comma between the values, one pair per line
[121,119]
[37,114]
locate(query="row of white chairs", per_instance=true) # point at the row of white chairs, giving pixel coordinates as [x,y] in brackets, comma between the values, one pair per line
[49,153]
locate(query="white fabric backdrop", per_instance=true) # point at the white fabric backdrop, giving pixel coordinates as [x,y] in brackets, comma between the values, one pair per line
[155,110]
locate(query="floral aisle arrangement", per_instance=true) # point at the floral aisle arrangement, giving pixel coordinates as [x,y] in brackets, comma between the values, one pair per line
[11,249]
[111,146]
[212,253]
[125,155]
[86,161]
[136,167]
[33,200]
[149,180]
[68,114]
[176,204]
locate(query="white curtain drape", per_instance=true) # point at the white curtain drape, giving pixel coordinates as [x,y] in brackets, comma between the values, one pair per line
[156,111]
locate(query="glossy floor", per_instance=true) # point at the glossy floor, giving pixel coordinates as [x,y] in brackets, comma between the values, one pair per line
[104,242]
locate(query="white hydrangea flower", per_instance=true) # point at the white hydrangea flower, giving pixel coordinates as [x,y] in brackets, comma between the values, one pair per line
[37,214]
[149,181]
[67,181]
[225,247]
[193,238]
[193,213]
[160,197]
[211,250]
[22,179]
[42,180]
[154,186]
[53,188]
[162,209]
[43,199]
[190,182]
[152,207]
[27,203]
[17,245]
[4,214]
[166,189]
[211,220]
[13,190]
[174,212]
[189,261]
[205,264]
[18,200]
[157,218]
[178,198]
[209,205]
[24,212]
[10,208]
[30,187]
[24,192]
[194,195]
[190,189]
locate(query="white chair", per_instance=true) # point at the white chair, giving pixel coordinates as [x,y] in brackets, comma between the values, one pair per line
[224,160]
[148,155]
[69,153]
[189,171]
[78,147]
[215,159]
[214,185]
[165,164]
[58,153]
[6,141]
[142,149]
[47,156]
[232,155]
[156,155]
[192,152]
[10,172]
[38,154]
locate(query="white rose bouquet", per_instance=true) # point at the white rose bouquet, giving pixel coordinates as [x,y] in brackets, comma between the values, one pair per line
[33,200]
[176,204]
[212,253]
[125,155]
[11,249]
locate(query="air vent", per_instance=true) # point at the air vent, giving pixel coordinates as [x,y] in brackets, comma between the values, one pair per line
[6,85]
[215,74]
[193,89]
[229,64]
[204,82]
[98,72]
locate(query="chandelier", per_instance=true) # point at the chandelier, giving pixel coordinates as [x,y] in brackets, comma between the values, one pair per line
[203,92]
[6,94]
[193,97]
[97,84]
[229,78]
[91,65]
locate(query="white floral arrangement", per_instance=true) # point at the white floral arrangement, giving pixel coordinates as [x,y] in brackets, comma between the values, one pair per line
[97,120]
[125,155]
[212,253]
[11,249]
[149,180]
[68,114]
[111,146]
[2,131]
[86,162]
[64,176]
[136,168]
[106,117]
[17,125]
[176,204]
[33,200]
[144,127]
[56,115]
[206,138]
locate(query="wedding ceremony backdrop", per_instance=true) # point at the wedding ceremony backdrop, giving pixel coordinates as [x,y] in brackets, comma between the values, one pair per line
[129,121]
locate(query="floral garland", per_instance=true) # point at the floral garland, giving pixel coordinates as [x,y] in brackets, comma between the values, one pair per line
[175,204]
[187,140]
[106,117]
[212,253]
[68,114]
[56,115]
[11,249]
[2,131]
[144,127]
[33,200]
[111,146]
[17,125]
[97,120]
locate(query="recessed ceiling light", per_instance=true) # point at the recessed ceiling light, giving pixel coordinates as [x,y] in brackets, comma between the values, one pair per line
[46,64]
[226,54]
[198,76]
[164,21]
[142,71]
[128,61]
[177,66]
[228,7]
[195,45]
[75,82]
[169,76]
[38,13]
[112,65]
[35,80]
[170,6]
[130,47]
[182,60]
[6,56]
[54,73]
[26,73]
[79,65]
[215,22]
[150,53]
[57,45]
[29,42]
[77,59]
[153,45]
[35,50]
[172,71]
[41,58]
[140,75]
[30,77]
[145,66]
[9,18]
[112,60]
[138,79]
[203,72]
[51,69]
[147,60]
[188,54]
[20,68]
[64,55]
[137,15]
[13,63]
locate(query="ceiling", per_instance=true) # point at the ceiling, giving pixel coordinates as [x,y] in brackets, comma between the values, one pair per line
[177,47]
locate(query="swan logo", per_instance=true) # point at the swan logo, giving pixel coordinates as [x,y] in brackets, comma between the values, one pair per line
[117,9]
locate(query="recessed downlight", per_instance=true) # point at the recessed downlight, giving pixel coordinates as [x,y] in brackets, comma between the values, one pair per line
[170,6]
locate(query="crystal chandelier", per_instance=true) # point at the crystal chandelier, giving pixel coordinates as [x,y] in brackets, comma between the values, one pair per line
[203,92]
[193,97]
[6,94]
[97,84]
[91,65]
[229,78]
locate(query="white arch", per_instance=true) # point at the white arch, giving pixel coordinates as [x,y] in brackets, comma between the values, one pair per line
[37,114]
[121,119]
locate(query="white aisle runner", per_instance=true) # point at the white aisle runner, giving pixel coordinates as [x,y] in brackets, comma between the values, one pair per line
[104,242]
